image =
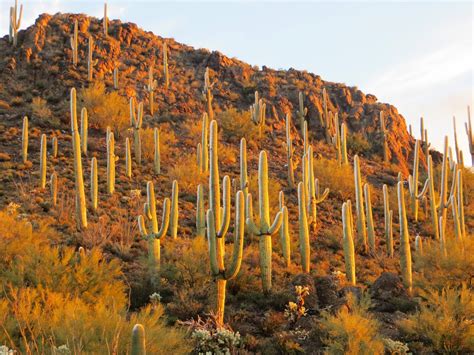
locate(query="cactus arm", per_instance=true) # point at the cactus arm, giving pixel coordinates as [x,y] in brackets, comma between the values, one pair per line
[238,237]
[252,227]
[165,219]
[275,227]
[211,238]
[226,208]
[200,213]
[142,227]
[174,214]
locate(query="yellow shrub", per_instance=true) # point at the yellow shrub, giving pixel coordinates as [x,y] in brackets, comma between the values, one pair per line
[186,172]
[236,125]
[41,112]
[103,108]
[167,140]
[352,330]
[339,179]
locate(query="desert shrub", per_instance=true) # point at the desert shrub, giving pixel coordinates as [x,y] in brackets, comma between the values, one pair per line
[41,112]
[104,108]
[352,330]
[339,179]
[437,270]
[358,144]
[236,125]
[445,320]
[167,140]
[186,172]
[53,296]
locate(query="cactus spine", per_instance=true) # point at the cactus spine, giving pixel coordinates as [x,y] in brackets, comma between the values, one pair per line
[84,130]
[264,230]
[370,218]
[150,88]
[203,152]
[90,62]
[153,237]
[81,211]
[302,112]
[94,184]
[165,66]
[111,164]
[43,161]
[128,158]
[405,252]
[174,215]
[303,229]
[470,134]
[207,94]
[216,253]
[24,140]
[361,224]
[136,120]
[15,22]
[345,161]
[200,213]
[388,215]
[258,113]
[116,78]
[156,158]
[284,230]
[105,21]
[138,340]
[289,152]
[54,145]
[73,40]
[348,242]
[54,188]
[384,131]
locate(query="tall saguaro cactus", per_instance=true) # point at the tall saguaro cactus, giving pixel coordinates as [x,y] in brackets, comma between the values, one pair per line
[54,188]
[370,218]
[204,147]
[54,146]
[264,230]
[284,230]
[361,222]
[43,161]
[128,158]
[348,242]
[216,253]
[150,88]
[156,155]
[174,215]
[116,78]
[24,140]
[136,120]
[105,21]
[301,112]
[94,184]
[405,251]
[84,130]
[289,152]
[314,197]
[91,63]
[15,22]
[470,134]
[200,213]
[413,183]
[388,215]
[207,94]
[345,161]
[154,235]
[244,181]
[303,229]
[384,131]
[81,210]
[325,119]
[459,157]
[111,158]
[166,74]
[138,340]
[74,44]
[258,113]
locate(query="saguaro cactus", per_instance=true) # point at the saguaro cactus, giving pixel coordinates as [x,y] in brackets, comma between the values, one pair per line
[105,21]
[413,183]
[128,158]
[15,22]
[136,119]
[153,237]
[244,181]
[91,63]
[460,200]
[111,158]
[81,210]
[345,161]
[258,113]
[284,230]
[54,188]
[361,224]
[204,147]
[305,248]
[43,161]
[314,197]
[216,253]
[156,155]
[94,184]
[200,213]
[456,146]
[348,242]
[470,134]
[116,78]
[325,119]
[207,94]
[24,140]
[74,41]
[174,216]
[150,88]
[264,230]
[138,340]
[384,131]
[336,140]
[54,146]
[388,214]
[405,252]
[289,152]
[301,112]
[419,244]
[84,130]
[165,66]
[370,218]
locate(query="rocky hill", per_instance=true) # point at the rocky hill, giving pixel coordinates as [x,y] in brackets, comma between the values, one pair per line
[41,66]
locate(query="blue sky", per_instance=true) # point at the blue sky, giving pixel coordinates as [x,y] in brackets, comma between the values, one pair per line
[417,56]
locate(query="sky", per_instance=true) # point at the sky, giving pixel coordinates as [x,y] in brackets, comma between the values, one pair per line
[417,56]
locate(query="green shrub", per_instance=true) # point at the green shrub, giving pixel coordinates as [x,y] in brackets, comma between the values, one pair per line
[358,144]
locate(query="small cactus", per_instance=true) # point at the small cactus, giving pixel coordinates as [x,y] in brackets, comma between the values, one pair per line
[384,131]
[345,161]
[24,140]
[258,114]
[15,22]
[303,229]
[43,161]
[54,188]
[138,340]
[94,184]
[150,88]
[284,230]
[54,145]
[156,155]
[136,120]
[128,158]
[105,21]
[84,130]
[388,214]
[200,213]
[116,78]
[111,158]
[174,215]
[302,111]
[244,182]
[73,40]
[91,63]
[203,152]
[207,95]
